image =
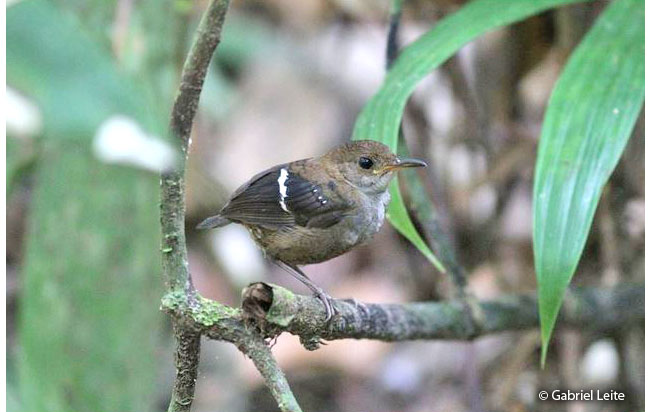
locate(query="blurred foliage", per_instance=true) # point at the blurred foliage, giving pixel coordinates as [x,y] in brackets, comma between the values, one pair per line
[58,62]
[243,39]
[89,324]
[89,320]
[20,158]
[588,122]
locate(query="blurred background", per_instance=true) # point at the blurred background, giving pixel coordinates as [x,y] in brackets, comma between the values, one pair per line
[288,80]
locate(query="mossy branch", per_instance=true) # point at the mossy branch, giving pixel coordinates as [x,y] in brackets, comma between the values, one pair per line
[219,322]
[275,310]
[270,309]
[175,259]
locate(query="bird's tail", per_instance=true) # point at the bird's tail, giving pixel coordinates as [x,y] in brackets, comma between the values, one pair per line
[213,222]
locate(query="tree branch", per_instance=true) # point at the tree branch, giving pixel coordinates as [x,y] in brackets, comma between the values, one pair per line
[269,310]
[186,362]
[223,323]
[173,207]
[175,260]
[261,354]
[273,310]
[276,309]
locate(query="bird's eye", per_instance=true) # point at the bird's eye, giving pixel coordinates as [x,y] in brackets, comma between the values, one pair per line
[365,162]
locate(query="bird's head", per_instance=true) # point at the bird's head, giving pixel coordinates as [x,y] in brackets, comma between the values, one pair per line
[368,165]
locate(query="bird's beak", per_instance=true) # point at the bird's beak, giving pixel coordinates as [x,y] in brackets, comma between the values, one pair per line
[403,164]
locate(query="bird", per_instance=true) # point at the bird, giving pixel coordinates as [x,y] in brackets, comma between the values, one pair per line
[312,210]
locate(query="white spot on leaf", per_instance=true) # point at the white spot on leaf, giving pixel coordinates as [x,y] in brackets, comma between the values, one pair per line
[120,139]
[23,118]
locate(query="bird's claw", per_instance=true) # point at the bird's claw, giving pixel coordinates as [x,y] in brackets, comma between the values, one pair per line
[328,304]
[331,309]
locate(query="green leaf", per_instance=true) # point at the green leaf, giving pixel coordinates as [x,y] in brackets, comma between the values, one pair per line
[52,59]
[381,117]
[397,214]
[589,119]
[89,324]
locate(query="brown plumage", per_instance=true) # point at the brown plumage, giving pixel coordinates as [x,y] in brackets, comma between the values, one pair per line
[313,210]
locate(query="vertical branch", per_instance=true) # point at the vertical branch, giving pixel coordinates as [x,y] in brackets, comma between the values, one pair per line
[186,361]
[175,259]
[195,68]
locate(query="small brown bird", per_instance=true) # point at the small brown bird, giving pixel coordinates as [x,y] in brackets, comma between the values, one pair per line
[313,210]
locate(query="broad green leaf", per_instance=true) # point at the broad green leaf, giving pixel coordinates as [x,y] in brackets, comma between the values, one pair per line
[399,217]
[381,117]
[589,119]
[89,325]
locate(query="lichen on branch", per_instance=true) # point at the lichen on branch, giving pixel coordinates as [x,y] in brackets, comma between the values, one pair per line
[274,308]
[199,313]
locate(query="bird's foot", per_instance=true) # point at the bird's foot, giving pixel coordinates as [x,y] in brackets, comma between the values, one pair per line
[327,300]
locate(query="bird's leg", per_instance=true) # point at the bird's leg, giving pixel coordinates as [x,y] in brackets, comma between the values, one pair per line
[319,292]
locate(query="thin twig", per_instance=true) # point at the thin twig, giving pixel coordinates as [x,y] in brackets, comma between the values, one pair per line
[608,241]
[219,322]
[261,354]
[175,259]
[121,27]
[173,207]
[391,50]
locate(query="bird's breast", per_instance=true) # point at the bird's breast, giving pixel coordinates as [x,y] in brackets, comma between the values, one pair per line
[372,216]
[381,205]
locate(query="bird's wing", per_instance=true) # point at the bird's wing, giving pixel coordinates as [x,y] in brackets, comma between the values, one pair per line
[279,197]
